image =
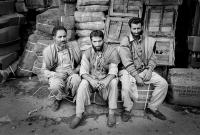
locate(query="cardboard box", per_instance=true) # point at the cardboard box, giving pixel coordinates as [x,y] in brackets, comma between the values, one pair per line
[184,86]
[194,43]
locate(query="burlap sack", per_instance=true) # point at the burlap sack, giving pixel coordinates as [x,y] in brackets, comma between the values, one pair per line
[92,8]
[29,56]
[68,22]
[92,2]
[37,67]
[52,14]
[90,25]
[84,43]
[89,16]
[84,33]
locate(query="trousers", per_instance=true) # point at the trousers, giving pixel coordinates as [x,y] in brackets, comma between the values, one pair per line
[109,94]
[129,89]
[59,87]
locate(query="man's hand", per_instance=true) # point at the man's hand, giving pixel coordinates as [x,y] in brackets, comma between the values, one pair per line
[103,83]
[94,83]
[148,75]
[139,80]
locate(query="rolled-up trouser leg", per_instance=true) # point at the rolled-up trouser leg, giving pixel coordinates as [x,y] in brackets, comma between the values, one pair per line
[73,82]
[160,91]
[113,94]
[125,92]
[56,86]
[83,96]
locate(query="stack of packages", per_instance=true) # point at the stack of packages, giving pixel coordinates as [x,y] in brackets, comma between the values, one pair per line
[120,12]
[10,23]
[184,88]
[160,25]
[194,41]
[90,16]
[32,58]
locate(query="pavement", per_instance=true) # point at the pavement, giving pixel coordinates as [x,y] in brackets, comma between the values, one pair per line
[24,110]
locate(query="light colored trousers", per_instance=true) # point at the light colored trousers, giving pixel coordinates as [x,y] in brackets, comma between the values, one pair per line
[129,89]
[59,87]
[83,95]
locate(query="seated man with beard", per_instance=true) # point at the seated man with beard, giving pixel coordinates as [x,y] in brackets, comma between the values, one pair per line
[99,72]
[138,68]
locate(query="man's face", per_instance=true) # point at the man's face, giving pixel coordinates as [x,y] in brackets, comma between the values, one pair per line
[97,43]
[136,29]
[60,38]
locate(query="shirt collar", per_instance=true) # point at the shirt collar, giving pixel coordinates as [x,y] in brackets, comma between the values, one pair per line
[59,50]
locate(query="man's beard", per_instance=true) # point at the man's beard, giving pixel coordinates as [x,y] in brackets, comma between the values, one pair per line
[136,35]
[97,49]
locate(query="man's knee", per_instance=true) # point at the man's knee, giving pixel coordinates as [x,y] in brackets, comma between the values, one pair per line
[84,85]
[114,82]
[76,79]
[164,84]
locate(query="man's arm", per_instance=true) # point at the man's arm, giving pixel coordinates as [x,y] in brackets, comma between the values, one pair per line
[127,60]
[93,82]
[45,70]
[151,65]
[48,74]
[126,56]
[85,70]
[114,60]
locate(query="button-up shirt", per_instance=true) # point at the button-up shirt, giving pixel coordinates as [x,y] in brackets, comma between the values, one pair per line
[100,64]
[133,55]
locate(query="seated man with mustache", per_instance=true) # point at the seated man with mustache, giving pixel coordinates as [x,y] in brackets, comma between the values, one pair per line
[60,66]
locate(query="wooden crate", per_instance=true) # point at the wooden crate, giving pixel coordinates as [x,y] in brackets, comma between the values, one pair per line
[126,8]
[163,48]
[161,20]
[116,28]
[163,2]
[144,96]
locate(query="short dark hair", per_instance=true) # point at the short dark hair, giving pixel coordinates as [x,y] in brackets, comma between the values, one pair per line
[135,20]
[96,33]
[57,28]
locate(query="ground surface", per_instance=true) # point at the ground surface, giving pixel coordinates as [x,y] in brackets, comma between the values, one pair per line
[24,112]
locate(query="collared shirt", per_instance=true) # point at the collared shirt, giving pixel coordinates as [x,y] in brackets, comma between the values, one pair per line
[64,63]
[64,60]
[133,56]
[100,64]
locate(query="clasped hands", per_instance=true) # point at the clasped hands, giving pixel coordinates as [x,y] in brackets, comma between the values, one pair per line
[147,76]
[99,84]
